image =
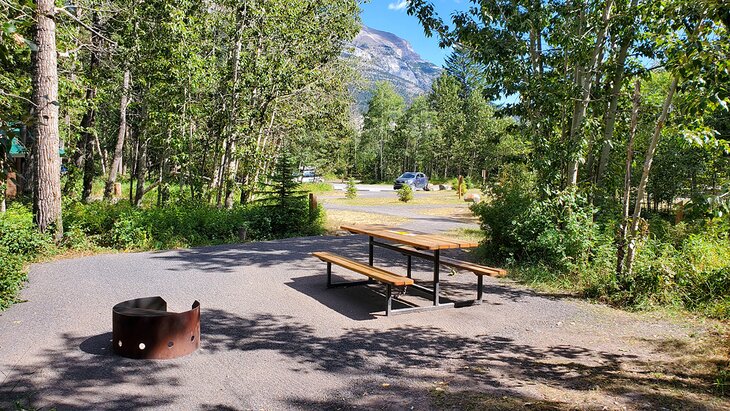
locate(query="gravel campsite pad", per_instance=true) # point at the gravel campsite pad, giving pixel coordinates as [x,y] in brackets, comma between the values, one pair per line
[273,337]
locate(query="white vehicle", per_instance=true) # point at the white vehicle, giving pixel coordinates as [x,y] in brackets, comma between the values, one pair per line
[308,175]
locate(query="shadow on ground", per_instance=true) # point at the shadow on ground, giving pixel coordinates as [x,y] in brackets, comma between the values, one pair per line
[77,381]
[398,368]
[475,369]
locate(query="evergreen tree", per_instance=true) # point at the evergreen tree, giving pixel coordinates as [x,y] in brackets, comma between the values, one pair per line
[287,205]
[468,72]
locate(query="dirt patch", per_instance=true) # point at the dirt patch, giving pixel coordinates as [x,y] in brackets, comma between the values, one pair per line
[336,218]
[462,214]
[659,372]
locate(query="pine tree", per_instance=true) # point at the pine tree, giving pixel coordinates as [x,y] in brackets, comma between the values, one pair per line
[288,205]
[466,71]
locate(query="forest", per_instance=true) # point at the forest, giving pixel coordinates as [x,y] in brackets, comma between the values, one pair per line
[604,162]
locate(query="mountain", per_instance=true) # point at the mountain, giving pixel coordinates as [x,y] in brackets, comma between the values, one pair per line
[380,55]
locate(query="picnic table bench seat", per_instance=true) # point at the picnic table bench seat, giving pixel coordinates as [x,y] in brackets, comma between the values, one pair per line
[452,262]
[378,274]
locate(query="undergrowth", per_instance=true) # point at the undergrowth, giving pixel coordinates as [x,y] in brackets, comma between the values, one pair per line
[121,226]
[550,240]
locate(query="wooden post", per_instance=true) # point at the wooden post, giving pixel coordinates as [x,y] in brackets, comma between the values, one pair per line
[313,208]
[459,184]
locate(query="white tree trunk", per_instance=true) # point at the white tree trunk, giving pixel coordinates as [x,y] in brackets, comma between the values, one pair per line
[631,253]
[585,80]
[621,243]
[119,148]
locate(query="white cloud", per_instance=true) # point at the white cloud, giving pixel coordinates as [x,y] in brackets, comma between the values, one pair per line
[398,6]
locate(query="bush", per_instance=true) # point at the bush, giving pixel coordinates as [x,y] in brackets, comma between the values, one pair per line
[682,266]
[351,190]
[556,231]
[19,244]
[12,277]
[405,193]
[468,183]
[124,227]
[460,187]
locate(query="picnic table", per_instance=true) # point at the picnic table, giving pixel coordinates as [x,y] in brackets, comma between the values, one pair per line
[411,244]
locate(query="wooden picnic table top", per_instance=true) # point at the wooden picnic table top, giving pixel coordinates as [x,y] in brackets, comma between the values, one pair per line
[409,237]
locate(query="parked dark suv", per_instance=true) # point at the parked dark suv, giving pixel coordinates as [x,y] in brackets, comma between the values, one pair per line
[412,178]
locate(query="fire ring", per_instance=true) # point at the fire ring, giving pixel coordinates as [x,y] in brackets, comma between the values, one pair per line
[143,329]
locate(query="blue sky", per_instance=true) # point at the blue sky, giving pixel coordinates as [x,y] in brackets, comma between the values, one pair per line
[391,16]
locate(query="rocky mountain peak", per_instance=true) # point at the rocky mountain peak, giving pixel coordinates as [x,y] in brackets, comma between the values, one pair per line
[380,55]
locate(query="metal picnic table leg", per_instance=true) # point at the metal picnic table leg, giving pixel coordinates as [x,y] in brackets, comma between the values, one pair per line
[436,262]
[370,256]
[408,273]
[388,299]
[370,250]
[480,289]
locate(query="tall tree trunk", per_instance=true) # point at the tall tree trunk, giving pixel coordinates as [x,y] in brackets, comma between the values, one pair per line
[610,119]
[232,171]
[47,192]
[118,150]
[585,81]
[141,170]
[134,159]
[102,154]
[626,199]
[230,157]
[631,253]
[87,122]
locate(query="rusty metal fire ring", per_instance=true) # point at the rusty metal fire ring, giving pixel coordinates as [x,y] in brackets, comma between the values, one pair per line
[143,329]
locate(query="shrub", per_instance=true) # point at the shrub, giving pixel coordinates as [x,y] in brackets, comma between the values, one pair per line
[351,190]
[186,224]
[19,244]
[683,266]
[11,277]
[467,181]
[405,193]
[556,231]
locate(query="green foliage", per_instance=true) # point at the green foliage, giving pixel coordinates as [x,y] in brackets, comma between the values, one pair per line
[320,187]
[562,165]
[20,243]
[722,381]
[351,190]
[405,193]
[469,73]
[121,226]
[12,277]
[289,213]
[556,230]
[384,109]
[689,270]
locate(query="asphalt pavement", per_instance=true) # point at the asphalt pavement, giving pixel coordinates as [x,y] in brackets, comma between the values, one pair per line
[273,337]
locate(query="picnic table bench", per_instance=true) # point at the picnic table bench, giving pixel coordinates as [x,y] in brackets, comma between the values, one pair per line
[378,274]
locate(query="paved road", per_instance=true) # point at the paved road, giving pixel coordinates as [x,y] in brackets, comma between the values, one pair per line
[418,220]
[274,338]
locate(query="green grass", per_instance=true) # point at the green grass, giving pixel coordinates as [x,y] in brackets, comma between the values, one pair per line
[317,188]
